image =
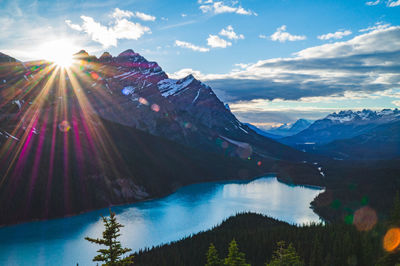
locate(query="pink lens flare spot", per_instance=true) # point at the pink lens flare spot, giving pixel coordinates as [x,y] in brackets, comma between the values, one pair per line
[155,107]
[64,126]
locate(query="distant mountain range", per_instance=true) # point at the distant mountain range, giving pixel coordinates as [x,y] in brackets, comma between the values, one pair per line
[113,130]
[349,134]
[286,130]
[262,132]
[382,142]
[342,125]
[283,130]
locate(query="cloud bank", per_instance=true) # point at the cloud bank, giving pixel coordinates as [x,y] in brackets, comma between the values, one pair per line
[368,63]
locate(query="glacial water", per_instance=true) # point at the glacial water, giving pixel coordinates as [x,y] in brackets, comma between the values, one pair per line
[189,210]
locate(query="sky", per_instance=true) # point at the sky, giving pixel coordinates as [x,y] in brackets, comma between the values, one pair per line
[272,61]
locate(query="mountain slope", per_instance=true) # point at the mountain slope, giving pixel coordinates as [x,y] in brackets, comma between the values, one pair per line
[342,125]
[6,58]
[381,142]
[115,130]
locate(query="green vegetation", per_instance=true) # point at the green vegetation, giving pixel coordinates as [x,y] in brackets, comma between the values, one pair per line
[213,257]
[258,235]
[235,257]
[111,256]
[285,256]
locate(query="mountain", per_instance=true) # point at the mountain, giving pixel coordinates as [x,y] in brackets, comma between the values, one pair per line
[6,58]
[262,132]
[113,130]
[379,143]
[290,129]
[342,125]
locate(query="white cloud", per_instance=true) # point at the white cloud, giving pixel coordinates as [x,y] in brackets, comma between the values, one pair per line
[120,28]
[393,3]
[282,35]
[373,3]
[220,7]
[385,39]
[191,46]
[118,13]
[336,35]
[183,15]
[144,16]
[185,72]
[389,3]
[262,36]
[217,42]
[397,103]
[230,33]
[73,26]
[378,26]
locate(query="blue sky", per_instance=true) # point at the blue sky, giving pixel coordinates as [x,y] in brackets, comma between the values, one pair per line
[273,61]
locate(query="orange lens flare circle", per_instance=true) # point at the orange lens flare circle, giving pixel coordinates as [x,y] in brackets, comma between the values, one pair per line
[391,241]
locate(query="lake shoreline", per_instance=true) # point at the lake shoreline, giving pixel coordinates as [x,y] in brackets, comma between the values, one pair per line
[248,180]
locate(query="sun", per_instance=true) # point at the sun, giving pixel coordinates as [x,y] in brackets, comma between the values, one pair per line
[63,60]
[59,51]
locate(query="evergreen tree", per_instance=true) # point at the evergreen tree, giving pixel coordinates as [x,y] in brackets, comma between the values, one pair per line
[212,257]
[111,256]
[316,255]
[285,256]
[235,257]
[395,213]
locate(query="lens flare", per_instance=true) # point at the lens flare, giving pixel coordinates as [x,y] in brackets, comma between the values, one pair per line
[143,101]
[391,241]
[155,107]
[365,219]
[64,126]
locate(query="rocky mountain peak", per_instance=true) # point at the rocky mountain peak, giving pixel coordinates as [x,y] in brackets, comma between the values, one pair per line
[6,58]
[105,56]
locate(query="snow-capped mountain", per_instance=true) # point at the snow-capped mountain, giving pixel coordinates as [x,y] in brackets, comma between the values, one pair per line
[383,116]
[342,125]
[286,130]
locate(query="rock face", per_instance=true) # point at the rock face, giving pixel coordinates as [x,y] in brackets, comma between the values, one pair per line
[113,130]
[6,59]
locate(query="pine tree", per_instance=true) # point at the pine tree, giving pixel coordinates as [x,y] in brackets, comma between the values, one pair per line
[212,257]
[111,256]
[235,257]
[285,256]
[395,212]
[316,254]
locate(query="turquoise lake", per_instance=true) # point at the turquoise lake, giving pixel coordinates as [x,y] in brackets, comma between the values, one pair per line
[189,210]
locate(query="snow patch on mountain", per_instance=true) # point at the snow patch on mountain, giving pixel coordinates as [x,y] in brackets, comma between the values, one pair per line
[170,87]
[364,115]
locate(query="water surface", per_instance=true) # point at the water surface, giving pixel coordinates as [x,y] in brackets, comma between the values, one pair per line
[189,210]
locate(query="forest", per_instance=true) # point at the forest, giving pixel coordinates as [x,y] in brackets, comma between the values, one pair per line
[348,243]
